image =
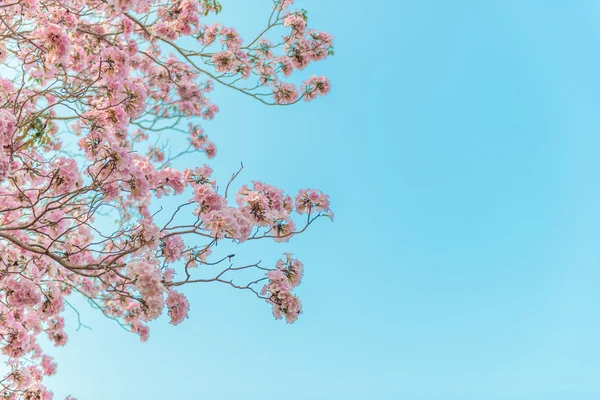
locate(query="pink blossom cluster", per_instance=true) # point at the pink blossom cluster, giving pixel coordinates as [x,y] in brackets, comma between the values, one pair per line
[259,206]
[282,280]
[8,126]
[148,280]
[55,41]
[181,18]
[199,141]
[315,86]
[67,176]
[178,307]
[295,21]
[28,308]
[3,53]
[22,293]
[285,93]
[263,60]
[311,201]
[173,248]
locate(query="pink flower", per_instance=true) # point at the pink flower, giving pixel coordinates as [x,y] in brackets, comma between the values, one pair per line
[115,64]
[285,93]
[48,365]
[3,53]
[22,293]
[285,64]
[148,279]
[8,126]
[207,199]
[225,61]
[210,149]
[283,4]
[141,330]
[283,229]
[311,201]
[134,94]
[67,176]
[286,276]
[220,223]
[197,137]
[315,86]
[230,38]
[56,42]
[178,307]
[296,22]
[173,248]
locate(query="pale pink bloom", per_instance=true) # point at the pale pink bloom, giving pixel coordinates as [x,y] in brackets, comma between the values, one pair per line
[3,53]
[210,34]
[178,307]
[283,229]
[56,42]
[197,137]
[59,338]
[283,4]
[210,149]
[155,154]
[296,22]
[285,64]
[174,179]
[315,86]
[285,93]
[48,365]
[220,223]
[225,61]
[173,248]
[207,199]
[115,64]
[67,176]
[230,38]
[141,329]
[148,281]
[22,293]
[8,125]
[286,275]
[311,201]
[134,94]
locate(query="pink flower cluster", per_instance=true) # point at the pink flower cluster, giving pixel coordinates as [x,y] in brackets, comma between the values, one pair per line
[178,307]
[8,126]
[148,280]
[285,93]
[179,19]
[3,53]
[225,61]
[297,22]
[25,314]
[312,201]
[67,177]
[173,248]
[315,86]
[282,280]
[300,47]
[54,39]
[22,293]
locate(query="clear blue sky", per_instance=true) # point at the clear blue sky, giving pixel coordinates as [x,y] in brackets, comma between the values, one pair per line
[460,145]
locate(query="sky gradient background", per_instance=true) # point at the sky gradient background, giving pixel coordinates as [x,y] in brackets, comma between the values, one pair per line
[460,149]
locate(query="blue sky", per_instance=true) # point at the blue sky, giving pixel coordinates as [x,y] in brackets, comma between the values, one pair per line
[460,149]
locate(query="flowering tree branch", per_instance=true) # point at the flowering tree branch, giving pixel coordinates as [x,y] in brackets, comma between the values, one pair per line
[83,85]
